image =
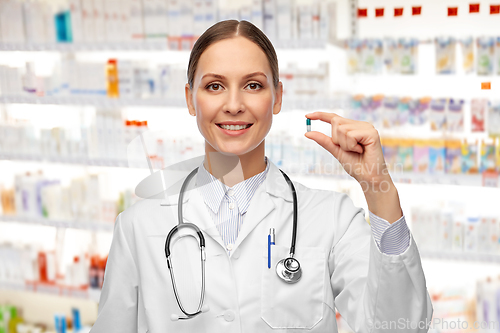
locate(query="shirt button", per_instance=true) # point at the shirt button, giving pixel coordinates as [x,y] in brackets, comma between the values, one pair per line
[230,192]
[231,205]
[229,315]
[229,247]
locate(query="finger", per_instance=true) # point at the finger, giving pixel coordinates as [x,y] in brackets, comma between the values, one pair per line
[363,137]
[339,121]
[351,143]
[346,141]
[335,131]
[326,117]
[324,141]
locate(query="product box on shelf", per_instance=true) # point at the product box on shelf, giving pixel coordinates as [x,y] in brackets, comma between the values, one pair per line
[453,156]
[488,305]
[488,162]
[455,115]
[421,156]
[467,47]
[445,55]
[485,55]
[494,119]
[437,115]
[479,111]
[470,157]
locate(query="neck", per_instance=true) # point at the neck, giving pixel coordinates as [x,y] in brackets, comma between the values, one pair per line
[233,169]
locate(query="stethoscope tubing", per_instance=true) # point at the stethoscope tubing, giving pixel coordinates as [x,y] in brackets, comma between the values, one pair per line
[294,230]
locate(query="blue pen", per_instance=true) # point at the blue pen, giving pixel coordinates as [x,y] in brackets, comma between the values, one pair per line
[270,241]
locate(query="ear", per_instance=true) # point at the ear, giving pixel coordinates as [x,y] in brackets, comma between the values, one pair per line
[189,100]
[278,98]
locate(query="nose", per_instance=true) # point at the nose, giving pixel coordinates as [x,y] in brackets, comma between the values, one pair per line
[234,102]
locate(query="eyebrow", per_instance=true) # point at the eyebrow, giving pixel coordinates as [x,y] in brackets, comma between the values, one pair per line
[222,77]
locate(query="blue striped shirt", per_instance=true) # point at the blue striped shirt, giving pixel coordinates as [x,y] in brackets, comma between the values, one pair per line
[227,207]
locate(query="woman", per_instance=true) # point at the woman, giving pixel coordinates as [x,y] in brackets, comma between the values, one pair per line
[376,282]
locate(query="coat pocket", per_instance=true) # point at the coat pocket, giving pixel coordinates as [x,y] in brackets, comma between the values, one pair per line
[297,305]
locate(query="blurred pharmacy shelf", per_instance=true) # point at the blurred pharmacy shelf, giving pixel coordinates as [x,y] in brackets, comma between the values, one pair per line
[74,47]
[139,46]
[313,102]
[65,160]
[479,179]
[487,180]
[53,289]
[74,224]
[98,101]
[461,256]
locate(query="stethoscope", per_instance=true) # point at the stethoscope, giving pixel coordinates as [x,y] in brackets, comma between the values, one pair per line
[287,269]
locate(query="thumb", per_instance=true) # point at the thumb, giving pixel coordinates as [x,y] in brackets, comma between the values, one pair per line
[325,142]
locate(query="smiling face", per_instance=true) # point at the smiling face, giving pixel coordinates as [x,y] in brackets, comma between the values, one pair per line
[233,84]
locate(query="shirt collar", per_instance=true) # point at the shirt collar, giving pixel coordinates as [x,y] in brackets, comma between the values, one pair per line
[214,190]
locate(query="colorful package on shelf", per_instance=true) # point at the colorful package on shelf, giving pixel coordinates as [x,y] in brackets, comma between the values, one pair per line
[467,46]
[372,52]
[488,304]
[365,112]
[497,55]
[494,119]
[444,230]
[437,156]
[419,110]
[445,55]
[390,112]
[488,235]
[469,157]
[391,56]
[403,111]
[421,156]
[488,156]
[353,56]
[478,109]
[408,50]
[455,115]
[390,150]
[453,156]
[356,110]
[497,154]
[376,110]
[457,235]
[471,234]
[405,155]
[485,55]
[367,108]
[437,115]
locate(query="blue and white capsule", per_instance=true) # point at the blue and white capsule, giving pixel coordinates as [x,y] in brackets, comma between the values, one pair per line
[308,123]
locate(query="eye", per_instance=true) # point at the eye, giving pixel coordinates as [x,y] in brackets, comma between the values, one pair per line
[253,85]
[215,86]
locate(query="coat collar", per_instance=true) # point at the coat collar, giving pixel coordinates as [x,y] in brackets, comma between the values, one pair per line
[261,205]
[243,191]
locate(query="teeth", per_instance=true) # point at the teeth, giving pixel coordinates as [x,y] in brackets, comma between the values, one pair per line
[234,127]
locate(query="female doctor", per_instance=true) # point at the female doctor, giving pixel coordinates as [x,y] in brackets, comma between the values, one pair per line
[370,273]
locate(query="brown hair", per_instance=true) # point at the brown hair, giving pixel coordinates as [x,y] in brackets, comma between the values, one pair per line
[228,29]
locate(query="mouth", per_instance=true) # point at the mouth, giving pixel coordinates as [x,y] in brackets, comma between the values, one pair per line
[234,127]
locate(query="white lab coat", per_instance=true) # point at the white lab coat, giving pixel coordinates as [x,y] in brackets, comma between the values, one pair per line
[342,267]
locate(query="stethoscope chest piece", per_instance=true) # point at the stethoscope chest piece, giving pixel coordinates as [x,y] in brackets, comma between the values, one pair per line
[289,270]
